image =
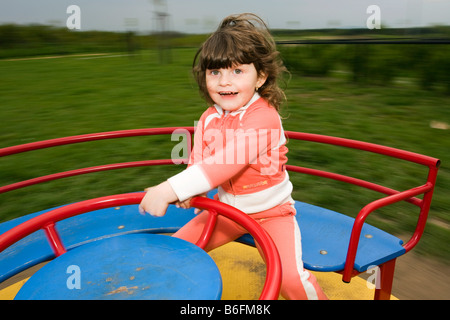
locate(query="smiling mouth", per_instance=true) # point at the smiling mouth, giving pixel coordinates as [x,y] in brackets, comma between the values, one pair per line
[228,93]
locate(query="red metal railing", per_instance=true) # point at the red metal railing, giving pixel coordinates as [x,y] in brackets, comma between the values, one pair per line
[271,289]
[46,221]
[85,138]
[393,196]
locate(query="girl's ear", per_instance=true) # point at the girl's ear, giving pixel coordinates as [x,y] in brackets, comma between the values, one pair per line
[261,80]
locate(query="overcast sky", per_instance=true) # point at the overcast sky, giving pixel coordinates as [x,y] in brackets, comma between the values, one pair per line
[203,15]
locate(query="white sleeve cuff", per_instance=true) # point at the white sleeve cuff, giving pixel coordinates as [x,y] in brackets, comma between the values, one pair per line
[189,182]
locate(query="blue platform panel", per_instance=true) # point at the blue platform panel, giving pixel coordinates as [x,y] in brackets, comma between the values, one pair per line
[82,229]
[134,266]
[326,235]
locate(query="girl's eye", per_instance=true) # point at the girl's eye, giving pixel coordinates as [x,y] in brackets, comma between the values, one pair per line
[237,71]
[214,72]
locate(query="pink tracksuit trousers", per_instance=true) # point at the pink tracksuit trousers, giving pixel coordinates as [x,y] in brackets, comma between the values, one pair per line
[280,223]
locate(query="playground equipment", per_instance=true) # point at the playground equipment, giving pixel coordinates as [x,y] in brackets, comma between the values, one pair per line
[119,251]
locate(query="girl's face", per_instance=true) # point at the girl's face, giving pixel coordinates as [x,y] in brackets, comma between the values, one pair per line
[232,88]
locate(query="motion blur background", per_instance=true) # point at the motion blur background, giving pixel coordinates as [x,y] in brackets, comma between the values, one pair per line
[126,65]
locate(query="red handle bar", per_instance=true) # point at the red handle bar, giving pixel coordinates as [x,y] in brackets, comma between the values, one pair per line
[47,222]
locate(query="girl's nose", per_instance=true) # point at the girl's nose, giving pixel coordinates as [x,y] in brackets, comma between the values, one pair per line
[224,79]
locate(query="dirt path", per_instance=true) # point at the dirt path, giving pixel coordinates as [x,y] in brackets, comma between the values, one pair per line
[419,278]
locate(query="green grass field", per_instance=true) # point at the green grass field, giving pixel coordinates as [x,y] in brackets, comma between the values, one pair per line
[50,98]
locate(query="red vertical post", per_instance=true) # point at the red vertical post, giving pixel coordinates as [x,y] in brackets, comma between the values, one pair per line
[386,279]
[54,239]
[208,229]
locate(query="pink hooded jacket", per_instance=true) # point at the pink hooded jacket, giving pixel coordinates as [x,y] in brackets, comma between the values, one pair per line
[243,154]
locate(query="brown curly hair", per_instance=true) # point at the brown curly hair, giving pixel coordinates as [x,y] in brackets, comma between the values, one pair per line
[242,39]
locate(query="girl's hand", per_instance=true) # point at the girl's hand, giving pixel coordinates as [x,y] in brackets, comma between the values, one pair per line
[186,204]
[157,199]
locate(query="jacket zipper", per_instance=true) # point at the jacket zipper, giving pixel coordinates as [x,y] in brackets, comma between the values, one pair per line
[224,119]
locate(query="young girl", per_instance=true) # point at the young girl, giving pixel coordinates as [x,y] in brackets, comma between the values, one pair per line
[239,147]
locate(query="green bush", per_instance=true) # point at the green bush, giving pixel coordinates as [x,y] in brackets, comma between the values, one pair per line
[309,60]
